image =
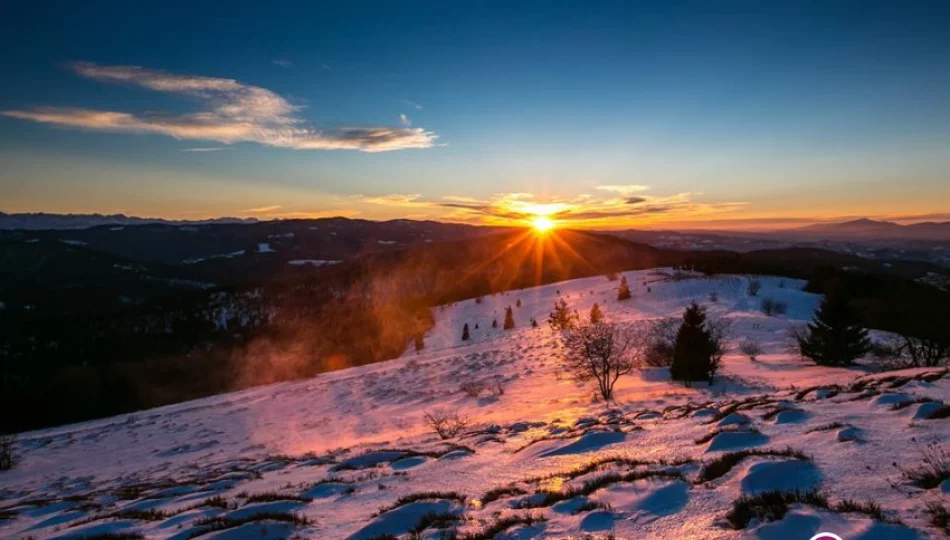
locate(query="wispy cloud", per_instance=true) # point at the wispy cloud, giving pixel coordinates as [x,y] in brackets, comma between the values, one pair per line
[624,189]
[282,62]
[396,199]
[263,209]
[205,149]
[234,112]
[413,104]
[404,120]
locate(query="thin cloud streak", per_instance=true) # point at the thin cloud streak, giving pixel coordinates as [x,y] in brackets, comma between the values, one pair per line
[263,209]
[235,112]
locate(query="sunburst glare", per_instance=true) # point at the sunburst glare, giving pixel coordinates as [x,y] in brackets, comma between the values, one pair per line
[542,224]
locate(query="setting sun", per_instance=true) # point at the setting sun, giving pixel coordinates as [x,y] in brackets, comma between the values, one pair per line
[542,224]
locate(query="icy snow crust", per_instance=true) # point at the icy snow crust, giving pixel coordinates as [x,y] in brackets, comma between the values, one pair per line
[330,457]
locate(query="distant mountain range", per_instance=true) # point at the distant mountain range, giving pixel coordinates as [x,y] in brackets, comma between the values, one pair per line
[858,229]
[869,229]
[43,221]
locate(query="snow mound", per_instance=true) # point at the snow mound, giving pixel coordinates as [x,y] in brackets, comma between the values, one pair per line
[588,442]
[784,475]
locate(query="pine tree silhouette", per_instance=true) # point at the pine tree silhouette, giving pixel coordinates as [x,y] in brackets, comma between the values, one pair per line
[420,342]
[465,335]
[562,318]
[509,318]
[835,336]
[623,291]
[695,351]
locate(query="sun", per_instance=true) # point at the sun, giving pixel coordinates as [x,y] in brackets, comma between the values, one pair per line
[542,224]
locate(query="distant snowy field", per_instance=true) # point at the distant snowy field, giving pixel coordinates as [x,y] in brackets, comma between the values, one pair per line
[338,451]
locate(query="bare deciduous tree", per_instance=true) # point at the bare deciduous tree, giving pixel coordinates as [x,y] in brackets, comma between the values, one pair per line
[927,351]
[446,424]
[603,352]
[750,348]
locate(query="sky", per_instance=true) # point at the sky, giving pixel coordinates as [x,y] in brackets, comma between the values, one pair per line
[714,115]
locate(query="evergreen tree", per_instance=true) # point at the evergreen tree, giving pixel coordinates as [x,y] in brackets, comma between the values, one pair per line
[534,322]
[494,323]
[623,291]
[562,318]
[509,318]
[518,303]
[465,335]
[696,353]
[596,315]
[420,343]
[835,336]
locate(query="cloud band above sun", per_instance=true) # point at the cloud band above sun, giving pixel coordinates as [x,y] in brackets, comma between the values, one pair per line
[233,112]
[615,209]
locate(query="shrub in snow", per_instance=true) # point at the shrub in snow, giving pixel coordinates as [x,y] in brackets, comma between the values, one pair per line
[446,424]
[698,350]
[750,348]
[419,342]
[8,457]
[939,516]
[934,470]
[563,317]
[922,346]
[596,315]
[662,339]
[603,353]
[623,291]
[773,505]
[509,318]
[772,307]
[754,287]
[472,388]
[835,336]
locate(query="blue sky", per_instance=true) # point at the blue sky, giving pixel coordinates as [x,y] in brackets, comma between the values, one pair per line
[713,114]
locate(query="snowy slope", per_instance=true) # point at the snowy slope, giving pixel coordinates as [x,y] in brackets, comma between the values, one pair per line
[322,458]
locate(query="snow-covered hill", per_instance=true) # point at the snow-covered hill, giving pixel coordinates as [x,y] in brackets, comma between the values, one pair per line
[348,454]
